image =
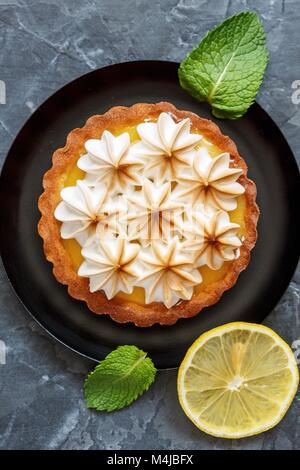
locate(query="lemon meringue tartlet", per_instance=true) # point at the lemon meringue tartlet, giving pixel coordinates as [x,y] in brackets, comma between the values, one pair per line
[147,214]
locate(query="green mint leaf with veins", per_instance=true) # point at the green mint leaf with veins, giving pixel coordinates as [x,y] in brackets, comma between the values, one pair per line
[227,67]
[118,380]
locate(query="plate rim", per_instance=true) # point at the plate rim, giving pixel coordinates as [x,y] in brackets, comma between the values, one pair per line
[10,277]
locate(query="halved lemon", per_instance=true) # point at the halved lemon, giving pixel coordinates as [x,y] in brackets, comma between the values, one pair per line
[237,380]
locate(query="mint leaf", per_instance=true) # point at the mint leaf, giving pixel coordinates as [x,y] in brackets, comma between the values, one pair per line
[227,67]
[119,379]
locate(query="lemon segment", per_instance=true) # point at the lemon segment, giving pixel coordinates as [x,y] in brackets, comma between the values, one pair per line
[237,380]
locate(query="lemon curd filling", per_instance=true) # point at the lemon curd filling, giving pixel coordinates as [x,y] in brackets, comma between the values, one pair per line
[209,276]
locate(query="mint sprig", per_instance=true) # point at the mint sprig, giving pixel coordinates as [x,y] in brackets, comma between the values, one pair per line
[226,68]
[118,380]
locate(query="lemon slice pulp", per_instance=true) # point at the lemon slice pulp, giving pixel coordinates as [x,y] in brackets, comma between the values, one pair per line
[237,380]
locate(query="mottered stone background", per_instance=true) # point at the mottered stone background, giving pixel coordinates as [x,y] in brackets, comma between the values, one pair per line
[44,45]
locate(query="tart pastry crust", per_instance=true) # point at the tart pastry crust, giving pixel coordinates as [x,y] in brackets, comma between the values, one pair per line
[119,309]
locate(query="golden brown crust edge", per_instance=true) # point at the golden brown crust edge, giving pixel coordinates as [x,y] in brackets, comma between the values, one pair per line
[49,228]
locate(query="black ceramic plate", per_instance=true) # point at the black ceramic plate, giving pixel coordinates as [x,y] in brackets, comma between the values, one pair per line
[271,166]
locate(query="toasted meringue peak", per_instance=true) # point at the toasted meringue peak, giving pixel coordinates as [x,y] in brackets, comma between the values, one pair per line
[82,209]
[212,182]
[110,265]
[165,146]
[212,238]
[153,213]
[169,273]
[110,161]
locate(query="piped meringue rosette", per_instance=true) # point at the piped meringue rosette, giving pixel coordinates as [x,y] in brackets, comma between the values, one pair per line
[150,213]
